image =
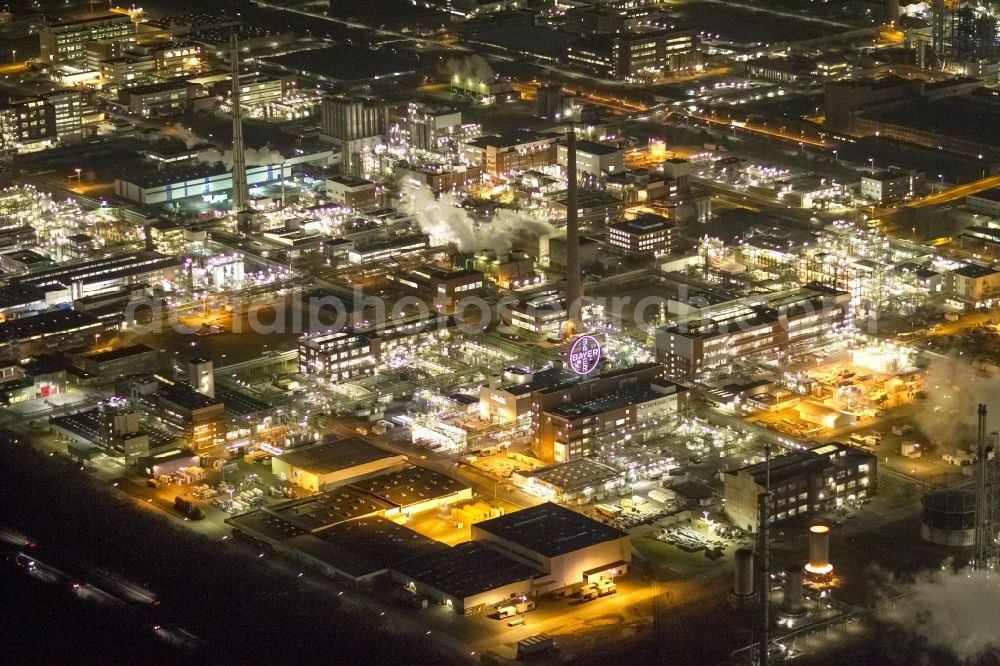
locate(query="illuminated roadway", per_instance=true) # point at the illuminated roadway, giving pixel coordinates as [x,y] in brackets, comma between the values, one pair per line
[762,129]
[956,192]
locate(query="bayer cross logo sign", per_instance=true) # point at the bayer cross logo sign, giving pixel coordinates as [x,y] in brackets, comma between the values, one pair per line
[584,355]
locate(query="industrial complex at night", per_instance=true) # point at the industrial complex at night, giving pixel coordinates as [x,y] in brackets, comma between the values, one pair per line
[592,332]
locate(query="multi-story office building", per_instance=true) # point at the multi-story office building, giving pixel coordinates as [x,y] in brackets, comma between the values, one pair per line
[66,43]
[352,193]
[802,482]
[752,330]
[359,351]
[890,185]
[635,56]
[542,314]
[519,150]
[647,234]
[339,356]
[439,178]
[594,158]
[25,125]
[126,70]
[443,289]
[156,99]
[973,283]
[177,59]
[614,409]
[67,113]
[199,417]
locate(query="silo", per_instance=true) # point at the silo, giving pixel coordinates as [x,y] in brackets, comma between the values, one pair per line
[819,550]
[792,590]
[792,612]
[741,596]
[948,517]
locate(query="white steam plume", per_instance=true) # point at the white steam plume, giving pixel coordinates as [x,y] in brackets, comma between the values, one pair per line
[253,156]
[472,67]
[958,611]
[189,138]
[954,387]
[444,220]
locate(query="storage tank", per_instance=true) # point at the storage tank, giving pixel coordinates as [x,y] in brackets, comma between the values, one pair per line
[792,612]
[948,517]
[819,550]
[792,590]
[742,594]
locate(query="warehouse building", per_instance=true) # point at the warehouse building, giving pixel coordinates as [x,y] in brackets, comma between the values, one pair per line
[330,507]
[48,331]
[566,547]
[68,282]
[467,578]
[414,490]
[986,202]
[115,363]
[333,463]
[361,550]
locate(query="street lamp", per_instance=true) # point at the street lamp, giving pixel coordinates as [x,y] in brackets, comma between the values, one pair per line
[13,55]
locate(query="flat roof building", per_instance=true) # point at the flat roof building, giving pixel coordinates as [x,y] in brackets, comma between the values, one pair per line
[65,43]
[333,463]
[581,476]
[617,408]
[47,331]
[130,360]
[751,330]
[563,545]
[196,415]
[802,482]
[519,150]
[986,202]
[646,235]
[414,490]
[593,158]
[363,549]
[468,577]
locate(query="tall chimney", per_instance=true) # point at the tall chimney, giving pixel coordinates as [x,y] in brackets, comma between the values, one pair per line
[574,290]
[892,12]
[240,194]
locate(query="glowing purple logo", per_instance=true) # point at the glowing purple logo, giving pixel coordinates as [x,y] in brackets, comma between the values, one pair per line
[584,355]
